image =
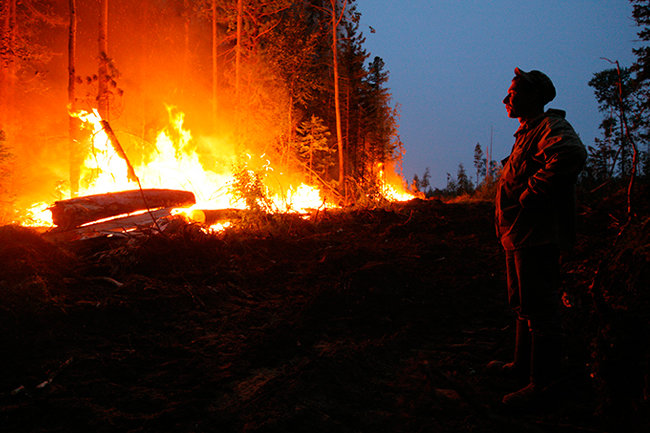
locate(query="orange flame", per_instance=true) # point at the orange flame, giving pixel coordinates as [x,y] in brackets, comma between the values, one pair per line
[392,191]
[175,164]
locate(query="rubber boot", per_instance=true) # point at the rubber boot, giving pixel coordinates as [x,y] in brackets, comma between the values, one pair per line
[519,368]
[544,372]
[546,358]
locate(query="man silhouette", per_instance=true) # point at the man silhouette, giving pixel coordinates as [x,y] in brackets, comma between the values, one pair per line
[535,212]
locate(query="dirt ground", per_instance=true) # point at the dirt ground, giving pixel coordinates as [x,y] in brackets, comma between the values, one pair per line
[375,320]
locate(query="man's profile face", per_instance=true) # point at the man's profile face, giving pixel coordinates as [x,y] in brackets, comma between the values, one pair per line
[520,100]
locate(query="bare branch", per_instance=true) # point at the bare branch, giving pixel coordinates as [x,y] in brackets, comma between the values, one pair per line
[628,136]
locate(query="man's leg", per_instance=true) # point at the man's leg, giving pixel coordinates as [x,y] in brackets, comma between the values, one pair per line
[538,280]
[520,365]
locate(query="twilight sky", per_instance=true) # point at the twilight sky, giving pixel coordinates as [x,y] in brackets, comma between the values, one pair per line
[451,62]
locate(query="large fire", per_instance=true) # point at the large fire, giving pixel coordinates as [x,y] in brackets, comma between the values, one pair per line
[175,164]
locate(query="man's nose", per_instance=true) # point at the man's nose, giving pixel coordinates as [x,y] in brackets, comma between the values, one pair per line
[506,99]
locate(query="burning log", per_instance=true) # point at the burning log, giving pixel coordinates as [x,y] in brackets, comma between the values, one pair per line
[74,212]
[111,227]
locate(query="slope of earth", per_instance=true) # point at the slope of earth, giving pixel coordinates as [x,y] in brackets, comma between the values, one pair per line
[358,321]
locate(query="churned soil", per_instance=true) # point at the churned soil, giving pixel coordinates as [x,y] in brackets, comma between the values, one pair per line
[372,320]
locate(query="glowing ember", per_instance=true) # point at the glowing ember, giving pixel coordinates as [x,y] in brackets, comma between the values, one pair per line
[219,226]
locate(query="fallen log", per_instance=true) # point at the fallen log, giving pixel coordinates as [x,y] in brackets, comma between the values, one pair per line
[122,225]
[74,212]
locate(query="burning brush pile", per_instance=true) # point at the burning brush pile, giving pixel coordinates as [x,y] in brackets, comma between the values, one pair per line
[116,197]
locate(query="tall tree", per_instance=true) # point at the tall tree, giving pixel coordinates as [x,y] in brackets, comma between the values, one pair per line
[336,19]
[353,75]
[641,67]
[215,47]
[73,122]
[8,58]
[103,77]
[336,11]
[238,47]
[379,117]
[187,23]
[252,26]
[291,49]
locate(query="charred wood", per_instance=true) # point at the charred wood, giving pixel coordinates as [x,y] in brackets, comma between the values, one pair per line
[115,226]
[75,212]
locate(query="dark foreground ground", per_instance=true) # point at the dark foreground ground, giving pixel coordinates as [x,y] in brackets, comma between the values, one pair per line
[363,321]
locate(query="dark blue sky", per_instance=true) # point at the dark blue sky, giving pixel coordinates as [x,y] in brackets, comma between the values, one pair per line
[451,62]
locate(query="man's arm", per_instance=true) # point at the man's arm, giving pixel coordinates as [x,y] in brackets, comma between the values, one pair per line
[563,156]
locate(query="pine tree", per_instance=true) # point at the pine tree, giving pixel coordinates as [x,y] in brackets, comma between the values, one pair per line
[415,183]
[495,169]
[464,184]
[353,74]
[641,67]
[313,145]
[380,118]
[479,163]
[74,160]
[425,183]
[335,11]
[291,49]
[103,76]
[452,187]
[422,184]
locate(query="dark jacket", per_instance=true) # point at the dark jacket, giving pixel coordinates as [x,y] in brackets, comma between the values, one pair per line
[535,201]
